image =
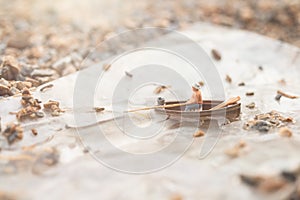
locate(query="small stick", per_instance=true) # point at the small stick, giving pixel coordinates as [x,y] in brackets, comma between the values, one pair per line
[162,106]
[46,87]
[230,101]
[287,95]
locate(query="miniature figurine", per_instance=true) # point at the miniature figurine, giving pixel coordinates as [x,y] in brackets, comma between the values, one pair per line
[195,102]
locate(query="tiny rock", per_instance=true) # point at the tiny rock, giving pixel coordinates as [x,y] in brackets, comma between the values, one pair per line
[160,89]
[216,55]
[199,133]
[285,132]
[34,132]
[251,105]
[9,68]
[4,90]
[228,79]
[128,74]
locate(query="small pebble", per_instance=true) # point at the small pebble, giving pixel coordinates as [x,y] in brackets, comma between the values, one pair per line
[228,79]
[34,132]
[251,105]
[241,84]
[285,132]
[216,55]
[199,134]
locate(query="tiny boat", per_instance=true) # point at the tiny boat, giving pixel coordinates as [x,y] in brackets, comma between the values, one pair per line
[230,112]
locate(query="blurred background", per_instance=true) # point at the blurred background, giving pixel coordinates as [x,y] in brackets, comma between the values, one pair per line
[42,33]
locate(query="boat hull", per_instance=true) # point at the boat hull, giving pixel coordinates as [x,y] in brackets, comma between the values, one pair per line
[230,113]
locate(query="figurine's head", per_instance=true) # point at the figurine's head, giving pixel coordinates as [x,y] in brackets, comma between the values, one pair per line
[196,87]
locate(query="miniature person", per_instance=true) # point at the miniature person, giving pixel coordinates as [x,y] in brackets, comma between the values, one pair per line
[195,102]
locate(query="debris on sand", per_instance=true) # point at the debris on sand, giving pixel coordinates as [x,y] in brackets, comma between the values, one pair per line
[228,79]
[160,89]
[128,74]
[106,67]
[99,109]
[216,54]
[235,151]
[264,122]
[31,107]
[199,133]
[13,133]
[34,132]
[274,183]
[263,183]
[249,93]
[241,84]
[53,107]
[283,94]
[250,105]
[46,87]
[9,68]
[285,132]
